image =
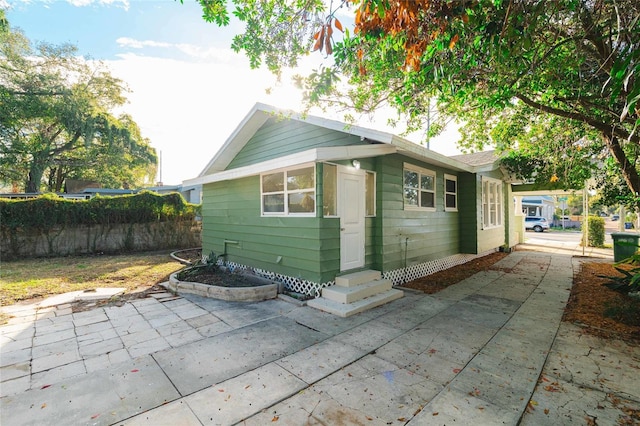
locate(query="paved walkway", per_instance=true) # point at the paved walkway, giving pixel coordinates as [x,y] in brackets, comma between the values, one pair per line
[473,353]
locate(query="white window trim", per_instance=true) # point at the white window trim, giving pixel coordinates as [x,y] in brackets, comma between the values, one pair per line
[420,170]
[286,192]
[375,177]
[336,190]
[499,203]
[455,194]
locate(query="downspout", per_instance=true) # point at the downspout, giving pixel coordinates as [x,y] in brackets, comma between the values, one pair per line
[406,249]
[224,248]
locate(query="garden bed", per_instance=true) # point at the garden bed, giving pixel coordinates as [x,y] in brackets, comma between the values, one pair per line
[224,285]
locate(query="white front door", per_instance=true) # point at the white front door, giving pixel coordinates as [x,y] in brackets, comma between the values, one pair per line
[351,192]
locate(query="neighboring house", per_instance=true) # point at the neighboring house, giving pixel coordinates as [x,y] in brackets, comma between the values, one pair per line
[191,193]
[541,206]
[305,199]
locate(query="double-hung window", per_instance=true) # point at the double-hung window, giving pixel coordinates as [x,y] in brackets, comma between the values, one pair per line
[491,203]
[289,192]
[419,188]
[450,193]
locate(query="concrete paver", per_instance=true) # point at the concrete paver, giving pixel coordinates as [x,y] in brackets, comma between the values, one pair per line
[483,351]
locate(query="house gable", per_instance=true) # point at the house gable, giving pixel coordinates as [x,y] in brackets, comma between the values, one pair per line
[277,138]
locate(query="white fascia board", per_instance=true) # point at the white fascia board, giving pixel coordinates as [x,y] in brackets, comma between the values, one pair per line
[304,157]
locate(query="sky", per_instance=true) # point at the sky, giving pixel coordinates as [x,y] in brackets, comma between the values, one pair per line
[188,89]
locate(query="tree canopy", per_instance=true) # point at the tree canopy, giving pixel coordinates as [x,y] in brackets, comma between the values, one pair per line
[551,83]
[56,120]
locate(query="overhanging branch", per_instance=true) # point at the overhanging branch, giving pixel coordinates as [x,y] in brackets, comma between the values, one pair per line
[605,128]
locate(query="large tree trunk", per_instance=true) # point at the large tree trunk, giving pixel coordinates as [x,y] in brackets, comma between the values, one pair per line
[36,170]
[629,171]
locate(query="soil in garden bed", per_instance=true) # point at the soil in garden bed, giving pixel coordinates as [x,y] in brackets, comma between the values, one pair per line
[217,277]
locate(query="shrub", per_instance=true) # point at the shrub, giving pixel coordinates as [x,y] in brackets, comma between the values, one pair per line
[596,231]
[50,211]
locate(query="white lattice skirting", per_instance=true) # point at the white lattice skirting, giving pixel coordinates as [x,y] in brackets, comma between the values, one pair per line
[290,283]
[419,270]
[398,276]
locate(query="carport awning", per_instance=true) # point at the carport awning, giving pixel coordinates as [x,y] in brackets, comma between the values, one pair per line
[305,157]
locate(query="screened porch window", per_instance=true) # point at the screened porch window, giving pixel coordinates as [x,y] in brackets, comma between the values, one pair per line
[289,192]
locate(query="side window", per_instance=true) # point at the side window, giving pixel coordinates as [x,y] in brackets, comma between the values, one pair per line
[491,203]
[370,194]
[419,188]
[329,190]
[450,193]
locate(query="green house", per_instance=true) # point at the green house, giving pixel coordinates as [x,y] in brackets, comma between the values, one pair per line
[304,200]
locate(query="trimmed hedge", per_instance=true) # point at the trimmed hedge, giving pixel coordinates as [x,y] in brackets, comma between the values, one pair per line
[596,231]
[50,211]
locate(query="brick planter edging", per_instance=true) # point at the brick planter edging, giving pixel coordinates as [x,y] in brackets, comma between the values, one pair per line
[266,289]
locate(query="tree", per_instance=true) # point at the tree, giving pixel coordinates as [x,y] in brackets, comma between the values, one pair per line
[56,120]
[506,69]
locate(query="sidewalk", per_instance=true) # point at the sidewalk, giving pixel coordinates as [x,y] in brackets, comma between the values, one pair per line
[470,354]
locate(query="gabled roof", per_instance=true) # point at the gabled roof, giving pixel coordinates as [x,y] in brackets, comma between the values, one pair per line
[381,143]
[483,158]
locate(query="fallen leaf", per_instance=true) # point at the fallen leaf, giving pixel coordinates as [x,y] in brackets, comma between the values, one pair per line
[456,370]
[220,390]
[135,370]
[275,418]
[247,387]
[43,406]
[45,386]
[95,416]
[546,411]
[436,413]
[432,351]
[402,419]
[369,418]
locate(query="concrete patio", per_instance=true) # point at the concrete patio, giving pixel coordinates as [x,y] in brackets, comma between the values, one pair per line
[488,350]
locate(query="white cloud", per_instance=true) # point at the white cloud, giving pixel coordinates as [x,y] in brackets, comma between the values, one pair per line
[139,44]
[119,3]
[213,54]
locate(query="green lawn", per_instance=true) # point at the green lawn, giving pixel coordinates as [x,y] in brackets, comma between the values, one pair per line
[32,278]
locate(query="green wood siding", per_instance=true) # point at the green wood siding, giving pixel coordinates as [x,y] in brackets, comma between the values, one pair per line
[303,247]
[469,206]
[278,138]
[409,236]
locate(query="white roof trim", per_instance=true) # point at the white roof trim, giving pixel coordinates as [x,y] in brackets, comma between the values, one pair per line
[304,157]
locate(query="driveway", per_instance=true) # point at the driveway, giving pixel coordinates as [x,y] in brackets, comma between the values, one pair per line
[474,353]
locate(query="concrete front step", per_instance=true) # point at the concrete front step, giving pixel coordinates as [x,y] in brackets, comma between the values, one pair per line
[353,294]
[357,278]
[347,309]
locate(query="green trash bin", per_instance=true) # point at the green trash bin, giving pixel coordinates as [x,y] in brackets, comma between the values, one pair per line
[625,245]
